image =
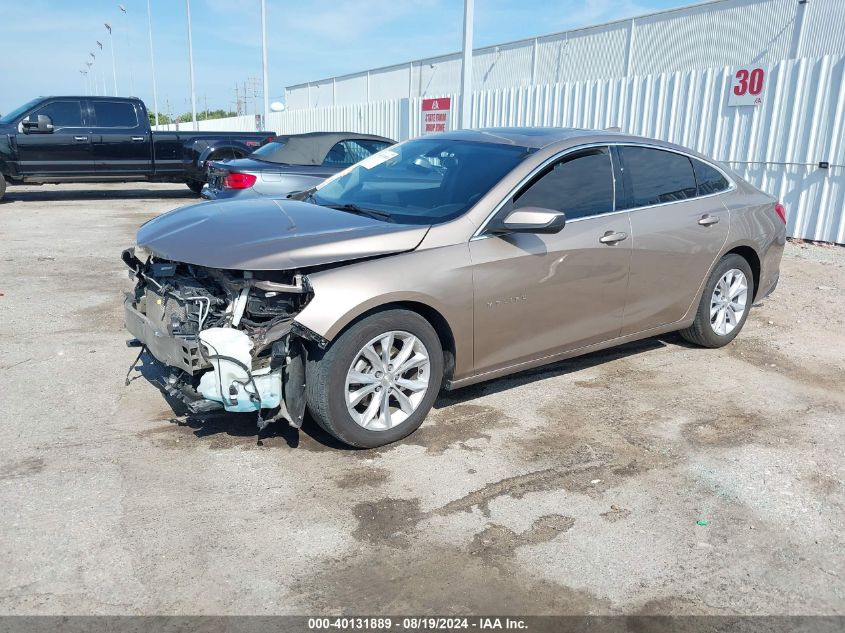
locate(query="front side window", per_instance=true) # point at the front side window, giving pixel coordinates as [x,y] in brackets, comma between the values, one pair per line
[709,179]
[423,181]
[115,114]
[62,113]
[657,176]
[351,151]
[580,185]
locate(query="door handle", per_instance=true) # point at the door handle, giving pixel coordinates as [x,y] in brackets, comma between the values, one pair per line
[707,220]
[612,238]
[138,138]
[80,138]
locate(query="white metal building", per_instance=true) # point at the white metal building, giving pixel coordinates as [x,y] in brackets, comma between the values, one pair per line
[712,34]
[669,75]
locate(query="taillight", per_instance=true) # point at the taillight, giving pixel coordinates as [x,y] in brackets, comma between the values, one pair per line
[781,211]
[238,181]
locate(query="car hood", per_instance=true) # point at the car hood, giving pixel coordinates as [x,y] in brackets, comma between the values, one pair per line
[268,234]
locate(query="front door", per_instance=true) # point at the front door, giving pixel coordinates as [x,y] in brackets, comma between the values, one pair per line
[679,229]
[64,150]
[538,295]
[121,140]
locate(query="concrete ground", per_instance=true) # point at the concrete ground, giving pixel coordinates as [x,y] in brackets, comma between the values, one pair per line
[654,478]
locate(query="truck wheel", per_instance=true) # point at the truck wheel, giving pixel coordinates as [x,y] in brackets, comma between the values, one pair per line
[2,186]
[195,185]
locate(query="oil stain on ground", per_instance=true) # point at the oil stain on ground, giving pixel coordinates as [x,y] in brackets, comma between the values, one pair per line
[497,543]
[454,425]
[430,578]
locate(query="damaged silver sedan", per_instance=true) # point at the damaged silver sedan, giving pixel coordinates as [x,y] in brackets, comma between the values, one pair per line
[446,261]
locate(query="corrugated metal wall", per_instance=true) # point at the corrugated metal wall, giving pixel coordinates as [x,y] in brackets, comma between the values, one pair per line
[776,146]
[713,34]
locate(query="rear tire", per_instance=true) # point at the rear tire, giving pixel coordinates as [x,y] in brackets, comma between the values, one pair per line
[195,185]
[334,396]
[2,186]
[713,325]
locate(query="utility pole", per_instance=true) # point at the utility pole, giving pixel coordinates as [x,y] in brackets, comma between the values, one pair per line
[266,81]
[466,66]
[152,60]
[191,63]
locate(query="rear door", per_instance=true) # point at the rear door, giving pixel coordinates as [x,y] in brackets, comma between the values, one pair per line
[537,295]
[121,139]
[679,226]
[66,150]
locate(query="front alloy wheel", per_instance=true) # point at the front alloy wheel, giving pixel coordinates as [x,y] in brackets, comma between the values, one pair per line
[375,383]
[387,380]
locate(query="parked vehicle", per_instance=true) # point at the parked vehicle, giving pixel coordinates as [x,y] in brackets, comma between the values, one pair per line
[107,139]
[290,163]
[522,247]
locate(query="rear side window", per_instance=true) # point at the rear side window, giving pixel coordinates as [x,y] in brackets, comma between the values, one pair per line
[580,185]
[709,179]
[351,151]
[115,114]
[62,113]
[657,176]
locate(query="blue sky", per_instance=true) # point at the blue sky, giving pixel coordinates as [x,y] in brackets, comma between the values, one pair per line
[46,42]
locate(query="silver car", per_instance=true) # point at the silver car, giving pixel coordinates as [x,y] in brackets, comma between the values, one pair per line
[445,261]
[289,163]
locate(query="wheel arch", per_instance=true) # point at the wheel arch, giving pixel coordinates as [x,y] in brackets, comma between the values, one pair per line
[749,254]
[434,317]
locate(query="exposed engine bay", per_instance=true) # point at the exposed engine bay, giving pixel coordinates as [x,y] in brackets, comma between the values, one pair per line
[227,336]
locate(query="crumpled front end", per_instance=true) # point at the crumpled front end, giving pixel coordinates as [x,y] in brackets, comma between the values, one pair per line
[227,337]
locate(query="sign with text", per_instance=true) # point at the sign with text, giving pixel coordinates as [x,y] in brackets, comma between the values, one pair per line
[748,87]
[435,114]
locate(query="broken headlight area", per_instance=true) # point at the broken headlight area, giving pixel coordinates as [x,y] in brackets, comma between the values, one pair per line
[225,335]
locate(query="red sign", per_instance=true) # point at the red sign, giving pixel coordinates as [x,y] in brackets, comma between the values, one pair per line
[435,114]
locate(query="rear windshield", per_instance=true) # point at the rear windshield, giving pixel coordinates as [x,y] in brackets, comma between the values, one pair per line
[270,152]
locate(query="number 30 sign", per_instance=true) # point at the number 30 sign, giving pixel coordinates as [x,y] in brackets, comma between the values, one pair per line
[748,87]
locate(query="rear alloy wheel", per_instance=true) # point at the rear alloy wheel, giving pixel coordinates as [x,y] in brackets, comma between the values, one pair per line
[724,303]
[378,380]
[195,185]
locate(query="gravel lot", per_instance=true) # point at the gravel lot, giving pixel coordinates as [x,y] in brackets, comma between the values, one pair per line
[654,478]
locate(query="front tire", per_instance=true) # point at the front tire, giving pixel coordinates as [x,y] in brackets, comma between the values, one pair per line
[724,305]
[377,381]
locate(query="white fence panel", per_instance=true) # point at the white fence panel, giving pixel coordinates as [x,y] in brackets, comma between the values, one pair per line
[777,146]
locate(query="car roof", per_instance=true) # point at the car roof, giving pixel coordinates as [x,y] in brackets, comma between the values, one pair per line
[532,137]
[537,138]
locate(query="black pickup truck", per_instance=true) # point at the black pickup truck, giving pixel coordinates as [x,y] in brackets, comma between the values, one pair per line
[107,139]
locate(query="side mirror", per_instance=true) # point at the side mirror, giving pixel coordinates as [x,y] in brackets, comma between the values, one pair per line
[40,124]
[531,220]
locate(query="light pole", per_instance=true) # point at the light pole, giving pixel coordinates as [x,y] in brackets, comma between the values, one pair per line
[266,88]
[152,61]
[92,82]
[129,44]
[113,63]
[191,64]
[84,74]
[466,67]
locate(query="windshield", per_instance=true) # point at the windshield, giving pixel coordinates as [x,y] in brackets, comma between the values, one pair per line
[14,114]
[424,181]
